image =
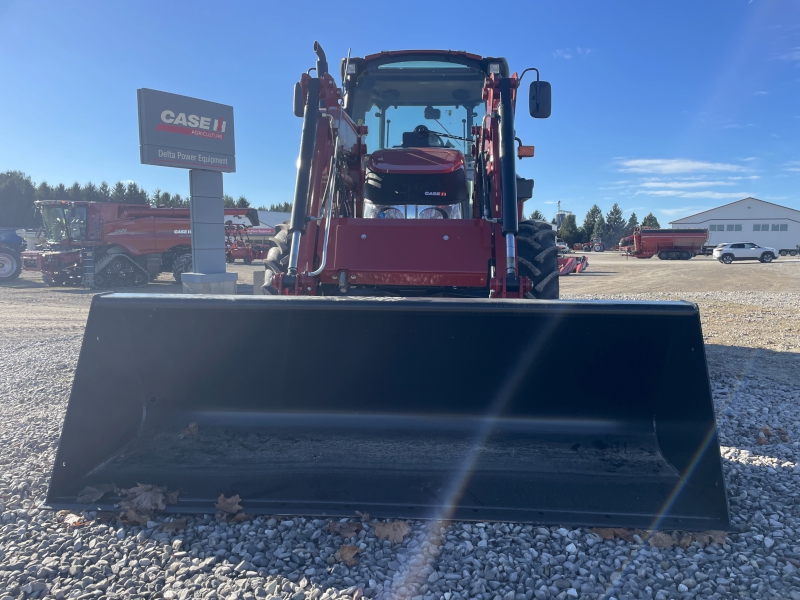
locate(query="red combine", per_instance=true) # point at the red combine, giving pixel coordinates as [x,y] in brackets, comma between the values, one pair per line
[410,358]
[667,244]
[109,245]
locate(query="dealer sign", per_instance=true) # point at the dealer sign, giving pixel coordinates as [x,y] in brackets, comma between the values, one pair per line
[183,132]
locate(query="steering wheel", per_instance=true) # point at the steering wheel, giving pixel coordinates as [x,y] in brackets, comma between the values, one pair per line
[421,131]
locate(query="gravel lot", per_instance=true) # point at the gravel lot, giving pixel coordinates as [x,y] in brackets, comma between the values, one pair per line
[753,344]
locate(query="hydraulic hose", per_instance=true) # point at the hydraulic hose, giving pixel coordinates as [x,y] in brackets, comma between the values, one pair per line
[508,173]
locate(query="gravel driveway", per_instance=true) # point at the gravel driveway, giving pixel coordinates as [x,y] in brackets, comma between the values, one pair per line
[754,357]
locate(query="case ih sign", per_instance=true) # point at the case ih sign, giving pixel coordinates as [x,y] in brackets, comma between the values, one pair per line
[183,132]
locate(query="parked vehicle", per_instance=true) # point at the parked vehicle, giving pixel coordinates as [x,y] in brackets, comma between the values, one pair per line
[728,253]
[562,246]
[667,244]
[10,261]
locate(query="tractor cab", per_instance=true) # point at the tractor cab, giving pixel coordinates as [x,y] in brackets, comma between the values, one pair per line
[64,221]
[419,110]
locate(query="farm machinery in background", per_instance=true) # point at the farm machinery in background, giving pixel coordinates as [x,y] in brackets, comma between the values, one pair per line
[238,244]
[11,246]
[106,245]
[411,361]
[667,244]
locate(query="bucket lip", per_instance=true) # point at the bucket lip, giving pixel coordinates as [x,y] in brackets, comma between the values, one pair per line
[365,303]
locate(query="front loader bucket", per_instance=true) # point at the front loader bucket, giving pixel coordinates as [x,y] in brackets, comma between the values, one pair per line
[579,413]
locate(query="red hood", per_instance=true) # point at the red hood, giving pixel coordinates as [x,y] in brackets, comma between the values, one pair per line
[416,160]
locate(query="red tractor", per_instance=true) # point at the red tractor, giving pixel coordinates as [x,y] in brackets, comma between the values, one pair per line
[110,245]
[435,393]
[421,155]
[239,246]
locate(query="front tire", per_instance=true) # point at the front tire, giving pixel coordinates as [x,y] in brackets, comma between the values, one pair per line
[767,257]
[726,258]
[538,259]
[10,264]
[181,264]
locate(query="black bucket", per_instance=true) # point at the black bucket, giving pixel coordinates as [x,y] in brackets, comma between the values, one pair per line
[582,413]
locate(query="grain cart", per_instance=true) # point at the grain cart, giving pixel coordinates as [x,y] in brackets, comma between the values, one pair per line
[109,245]
[414,340]
[667,244]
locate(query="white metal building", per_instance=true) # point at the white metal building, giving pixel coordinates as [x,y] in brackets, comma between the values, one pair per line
[748,220]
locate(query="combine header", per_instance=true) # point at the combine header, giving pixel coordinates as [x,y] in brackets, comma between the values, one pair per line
[415,342]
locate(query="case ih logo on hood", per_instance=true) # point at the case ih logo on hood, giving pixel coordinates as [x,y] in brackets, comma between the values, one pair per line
[436,193]
[192,125]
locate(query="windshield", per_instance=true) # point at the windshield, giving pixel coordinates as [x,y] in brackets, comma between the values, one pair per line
[394,98]
[63,222]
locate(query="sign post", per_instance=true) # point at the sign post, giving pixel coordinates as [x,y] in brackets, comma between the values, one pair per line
[187,133]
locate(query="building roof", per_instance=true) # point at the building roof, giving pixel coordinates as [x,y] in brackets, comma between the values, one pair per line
[691,218]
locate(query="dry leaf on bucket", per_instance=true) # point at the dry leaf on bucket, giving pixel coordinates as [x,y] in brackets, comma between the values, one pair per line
[93,493]
[190,431]
[346,554]
[394,531]
[144,499]
[347,529]
[228,505]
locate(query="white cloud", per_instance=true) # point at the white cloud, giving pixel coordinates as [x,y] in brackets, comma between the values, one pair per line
[703,194]
[550,202]
[792,56]
[683,184]
[760,93]
[672,166]
[737,126]
[683,210]
[792,166]
[571,52]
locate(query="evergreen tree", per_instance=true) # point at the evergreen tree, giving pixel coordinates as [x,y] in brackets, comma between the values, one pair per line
[89,192]
[74,192]
[599,230]
[569,231]
[17,194]
[104,192]
[242,202]
[587,229]
[44,191]
[615,226]
[60,192]
[228,201]
[282,207]
[135,195]
[633,223]
[118,192]
[537,216]
[651,221]
[177,202]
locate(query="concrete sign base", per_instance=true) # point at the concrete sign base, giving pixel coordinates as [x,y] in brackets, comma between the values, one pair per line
[209,283]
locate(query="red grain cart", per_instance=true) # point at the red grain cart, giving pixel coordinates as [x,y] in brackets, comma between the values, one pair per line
[667,244]
[572,264]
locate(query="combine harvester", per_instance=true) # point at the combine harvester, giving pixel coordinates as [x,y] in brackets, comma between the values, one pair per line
[415,365]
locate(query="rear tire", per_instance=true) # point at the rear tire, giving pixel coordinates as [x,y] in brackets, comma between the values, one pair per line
[181,264]
[277,259]
[767,257]
[726,258]
[538,259]
[10,264]
[783,252]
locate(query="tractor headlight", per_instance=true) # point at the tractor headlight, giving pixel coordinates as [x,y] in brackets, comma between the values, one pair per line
[381,211]
[439,211]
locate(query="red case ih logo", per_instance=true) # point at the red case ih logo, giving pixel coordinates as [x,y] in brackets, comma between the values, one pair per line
[192,125]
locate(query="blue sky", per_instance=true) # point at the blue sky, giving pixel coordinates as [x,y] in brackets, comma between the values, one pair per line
[671,107]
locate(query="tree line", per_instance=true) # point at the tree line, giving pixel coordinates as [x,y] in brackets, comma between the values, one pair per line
[610,228]
[18,194]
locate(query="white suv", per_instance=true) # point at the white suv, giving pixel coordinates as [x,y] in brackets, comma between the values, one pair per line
[727,253]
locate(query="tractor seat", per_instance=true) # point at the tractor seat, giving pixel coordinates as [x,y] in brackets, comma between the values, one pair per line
[412,140]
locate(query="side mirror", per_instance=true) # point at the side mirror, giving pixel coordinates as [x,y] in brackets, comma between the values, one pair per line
[432,113]
[299,101]
[539,99]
